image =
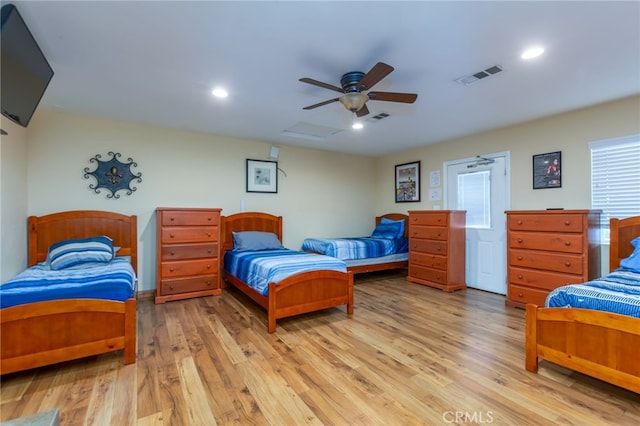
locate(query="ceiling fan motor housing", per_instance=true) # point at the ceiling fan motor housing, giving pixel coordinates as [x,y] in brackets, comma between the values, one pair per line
[350,81]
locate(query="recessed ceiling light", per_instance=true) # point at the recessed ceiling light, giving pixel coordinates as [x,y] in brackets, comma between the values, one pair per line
[219,92]
[532,53]
[357,125]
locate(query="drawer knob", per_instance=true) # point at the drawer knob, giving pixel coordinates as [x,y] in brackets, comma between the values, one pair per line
[172,252]
[519,240]
[172,235]
[208,266]
[519,276]
[208,234]
[567,243]
[170,287]
[208,283]
[209,251]
[519,257]
[519,222]
[172,218]
[520,295]
[567,222]
[209,218]
[171,269]
[567,263]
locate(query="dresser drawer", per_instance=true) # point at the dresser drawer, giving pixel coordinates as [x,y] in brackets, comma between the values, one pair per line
[566,243]
[428,260]
[428,274]
[191,218]
[184,268]
[540,279]
[431,219]
[189,251]
[429,232]
[189,234]
[186,285]
[527,295]
[567,263]
[546,222]
[428,246]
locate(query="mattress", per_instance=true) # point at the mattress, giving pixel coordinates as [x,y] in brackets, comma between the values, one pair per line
[258,268]
[115,280]
[356,247]
[617,292]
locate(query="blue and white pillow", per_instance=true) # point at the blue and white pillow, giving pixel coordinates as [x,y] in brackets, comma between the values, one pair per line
[68,253]
[401,222]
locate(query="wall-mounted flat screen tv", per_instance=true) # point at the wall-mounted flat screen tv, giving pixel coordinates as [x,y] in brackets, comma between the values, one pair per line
[25,72]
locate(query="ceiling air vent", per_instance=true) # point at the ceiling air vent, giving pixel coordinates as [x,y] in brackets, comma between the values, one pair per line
[473,78]
[378,117]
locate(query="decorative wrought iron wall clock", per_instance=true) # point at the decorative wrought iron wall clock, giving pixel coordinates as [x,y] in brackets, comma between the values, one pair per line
[113,175]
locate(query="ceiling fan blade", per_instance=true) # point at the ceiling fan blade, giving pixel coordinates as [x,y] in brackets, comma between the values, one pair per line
[321,103]
[362,111]
[321,84]
[375,74]
[407,98]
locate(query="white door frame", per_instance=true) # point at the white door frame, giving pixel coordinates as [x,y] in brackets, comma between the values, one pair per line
[507,196]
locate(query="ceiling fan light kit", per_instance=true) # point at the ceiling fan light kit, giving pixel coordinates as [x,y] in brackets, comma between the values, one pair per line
[354,84]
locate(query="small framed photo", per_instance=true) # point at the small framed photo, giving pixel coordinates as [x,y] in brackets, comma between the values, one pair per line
[408,182]
[546,170]
[262,176]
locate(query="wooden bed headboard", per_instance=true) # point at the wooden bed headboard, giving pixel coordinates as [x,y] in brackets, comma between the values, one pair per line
[52,228]
[248,221]
[396,216]
[622,232]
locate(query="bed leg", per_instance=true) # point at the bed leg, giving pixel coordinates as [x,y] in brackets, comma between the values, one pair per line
[271,312]
[531,338]
[350,293]
[130,331]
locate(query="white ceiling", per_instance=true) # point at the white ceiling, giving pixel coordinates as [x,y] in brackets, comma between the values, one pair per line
[156,62]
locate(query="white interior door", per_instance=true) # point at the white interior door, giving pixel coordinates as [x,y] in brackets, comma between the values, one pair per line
[481,187]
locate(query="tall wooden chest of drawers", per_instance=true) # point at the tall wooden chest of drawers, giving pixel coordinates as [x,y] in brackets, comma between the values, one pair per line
[437,248]
[550,248]
[188,253]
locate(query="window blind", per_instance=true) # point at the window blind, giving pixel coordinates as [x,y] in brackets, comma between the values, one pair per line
[615,179]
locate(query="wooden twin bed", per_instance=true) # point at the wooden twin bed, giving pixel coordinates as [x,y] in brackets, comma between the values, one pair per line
[43,333]
[383,263]
[300,293]
[600,344]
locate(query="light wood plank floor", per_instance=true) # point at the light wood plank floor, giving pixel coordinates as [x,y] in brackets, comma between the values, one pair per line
[409,355]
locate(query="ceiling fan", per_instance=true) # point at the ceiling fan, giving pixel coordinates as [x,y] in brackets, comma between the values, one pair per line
[355,84]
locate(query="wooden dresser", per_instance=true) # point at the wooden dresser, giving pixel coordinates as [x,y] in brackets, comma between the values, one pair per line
[550,248]
[437,248]
[188,253]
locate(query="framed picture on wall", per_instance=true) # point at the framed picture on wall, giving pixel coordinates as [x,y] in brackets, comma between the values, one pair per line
[408,182]
[262,176]
[546,170]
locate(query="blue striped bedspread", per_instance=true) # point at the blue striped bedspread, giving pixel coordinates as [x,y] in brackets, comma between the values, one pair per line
[113,281]
[617,292]
[356,247]
[259,268]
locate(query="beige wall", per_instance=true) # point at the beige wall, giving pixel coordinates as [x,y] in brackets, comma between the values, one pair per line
[322,194]
[13,199]
[570,133]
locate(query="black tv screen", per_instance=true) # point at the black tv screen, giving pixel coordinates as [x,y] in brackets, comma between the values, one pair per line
[25,71]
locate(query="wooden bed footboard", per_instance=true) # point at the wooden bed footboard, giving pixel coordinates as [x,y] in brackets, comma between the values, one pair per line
[600,344]
[301,293]
[43,333]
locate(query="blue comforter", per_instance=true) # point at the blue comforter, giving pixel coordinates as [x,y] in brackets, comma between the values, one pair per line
[356,247]
[258,268]
[113,281]
[617,292]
